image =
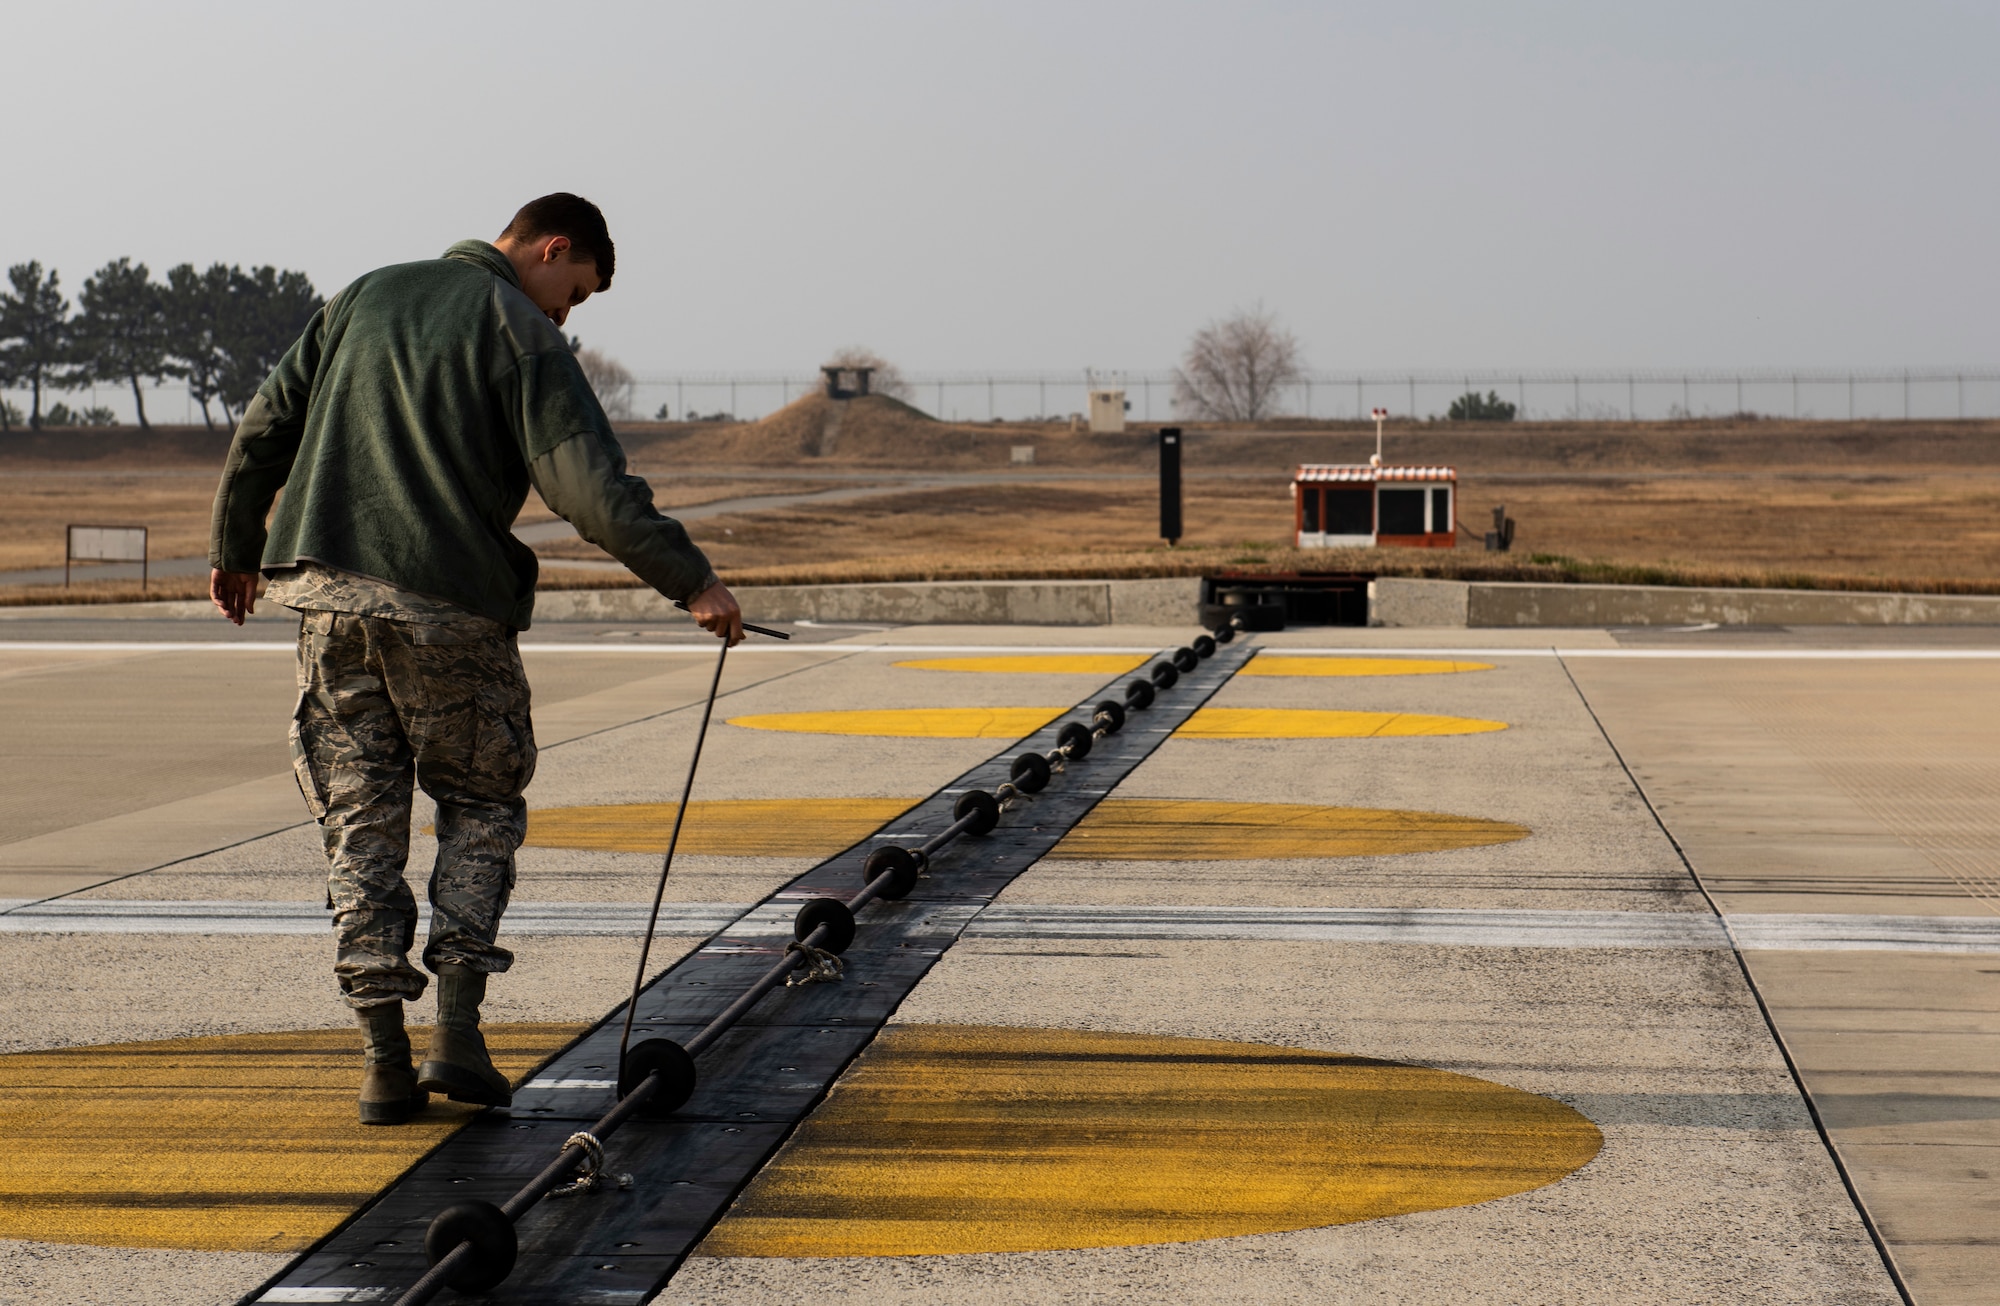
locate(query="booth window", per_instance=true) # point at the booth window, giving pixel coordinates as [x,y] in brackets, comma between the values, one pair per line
[1402,512]
[1441,510]
[1309,508]
[1350,511]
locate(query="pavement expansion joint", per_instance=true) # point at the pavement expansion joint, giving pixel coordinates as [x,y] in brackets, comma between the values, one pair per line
[767,1073]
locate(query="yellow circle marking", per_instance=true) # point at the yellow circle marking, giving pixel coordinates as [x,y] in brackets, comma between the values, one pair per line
[1169,829]
[947,1139]
[1318,723]
[245,1142]
[911,722]
[1067,664]
[744,827]
[1270,664]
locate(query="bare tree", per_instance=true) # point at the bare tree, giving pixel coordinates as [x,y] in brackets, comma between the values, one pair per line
[611,379]
[885,378]
[1235,368]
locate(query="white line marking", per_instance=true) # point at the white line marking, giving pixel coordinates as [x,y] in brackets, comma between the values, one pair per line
[1448,927]
[138,916]
[531,646]
[571,1085]
[1504,929]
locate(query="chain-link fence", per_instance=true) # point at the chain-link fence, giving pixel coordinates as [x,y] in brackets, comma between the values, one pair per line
[1918,393]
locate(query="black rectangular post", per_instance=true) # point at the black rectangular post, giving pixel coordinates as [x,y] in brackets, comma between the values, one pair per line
[1170,484]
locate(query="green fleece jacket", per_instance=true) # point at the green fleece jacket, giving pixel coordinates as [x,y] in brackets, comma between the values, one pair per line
[405,427]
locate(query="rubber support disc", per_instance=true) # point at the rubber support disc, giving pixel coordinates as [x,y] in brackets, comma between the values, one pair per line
[832,913]
[1113,713]
[1076,736]
[674,1066]
[1139,695]
[491,1234]
[978,800]
[901,865]
[1030,772]
[1224,633]
[1203,646]
[1165,675]
[1185,659]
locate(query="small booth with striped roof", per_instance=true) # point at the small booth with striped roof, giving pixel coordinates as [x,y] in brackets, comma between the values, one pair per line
[1339,505]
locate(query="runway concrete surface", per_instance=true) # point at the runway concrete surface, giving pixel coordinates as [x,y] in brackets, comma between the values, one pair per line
[1421,966]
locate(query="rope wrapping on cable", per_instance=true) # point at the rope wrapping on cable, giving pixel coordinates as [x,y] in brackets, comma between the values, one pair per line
[822,967]
[590,1170]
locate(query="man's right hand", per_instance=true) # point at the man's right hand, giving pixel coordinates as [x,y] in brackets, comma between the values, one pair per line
[235,593]
[715,611]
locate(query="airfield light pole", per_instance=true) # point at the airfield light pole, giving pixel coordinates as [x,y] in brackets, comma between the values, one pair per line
[1380,415]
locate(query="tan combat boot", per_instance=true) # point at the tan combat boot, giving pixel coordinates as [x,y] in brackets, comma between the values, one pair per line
[458,1065]
[389,1092]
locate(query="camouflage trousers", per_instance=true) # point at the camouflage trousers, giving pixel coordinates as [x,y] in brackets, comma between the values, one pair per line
[385,705]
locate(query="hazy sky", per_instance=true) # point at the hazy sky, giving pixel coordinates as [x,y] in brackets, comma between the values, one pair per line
[1030,185]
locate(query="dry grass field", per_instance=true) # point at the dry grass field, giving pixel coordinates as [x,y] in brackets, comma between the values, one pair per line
[1901,505]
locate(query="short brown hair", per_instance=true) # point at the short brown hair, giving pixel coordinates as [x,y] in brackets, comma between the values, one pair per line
[564,214]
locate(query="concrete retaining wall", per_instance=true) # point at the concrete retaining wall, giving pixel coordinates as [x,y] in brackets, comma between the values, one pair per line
[1169,602]
[1396,602]
[1165,602]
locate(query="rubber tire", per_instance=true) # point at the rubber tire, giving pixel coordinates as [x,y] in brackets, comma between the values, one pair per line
[1185,660]
[977,800]
[676,1071]
[1030,773]
[830,912]
[1224,633]
[1139,695]
[1165,675]
[1203,646]
[1077,738]
[491,1234]
[902,865]
[1113,713]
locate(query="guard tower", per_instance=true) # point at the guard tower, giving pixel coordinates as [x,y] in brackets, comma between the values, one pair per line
[837,386]
[1339,505]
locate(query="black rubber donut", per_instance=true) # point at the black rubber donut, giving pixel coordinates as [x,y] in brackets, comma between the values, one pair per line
[1076,737]
[1185,659]
[1030,773]
[830,912]
[1223,634]
[1139,695]
[1165,675]
[977,800]
[669,1060]
[1203,646]
[900,863]
[491,1234]
[1112,713]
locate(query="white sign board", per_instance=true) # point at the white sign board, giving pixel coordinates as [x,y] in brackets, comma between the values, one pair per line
[107,543]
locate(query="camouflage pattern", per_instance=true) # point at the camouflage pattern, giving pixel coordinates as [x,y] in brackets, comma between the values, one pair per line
[385,705]
[315,587]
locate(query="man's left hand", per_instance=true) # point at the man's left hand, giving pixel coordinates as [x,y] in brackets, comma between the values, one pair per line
[234,592]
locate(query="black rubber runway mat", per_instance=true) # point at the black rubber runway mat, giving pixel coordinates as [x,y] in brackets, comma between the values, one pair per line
[756,1083]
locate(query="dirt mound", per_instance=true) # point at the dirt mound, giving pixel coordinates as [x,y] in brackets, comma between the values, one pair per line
[865,429]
